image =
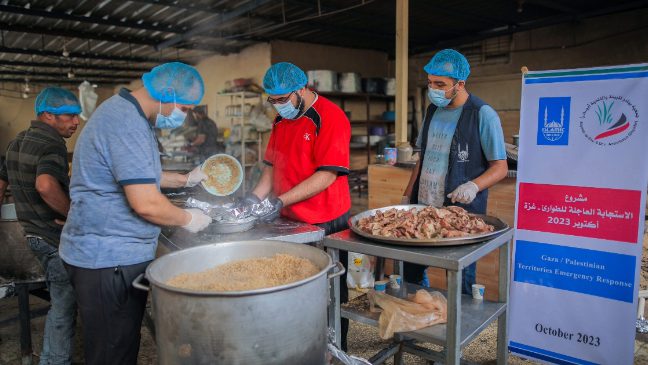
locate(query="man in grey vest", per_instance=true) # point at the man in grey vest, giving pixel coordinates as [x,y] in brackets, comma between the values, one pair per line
[462,149]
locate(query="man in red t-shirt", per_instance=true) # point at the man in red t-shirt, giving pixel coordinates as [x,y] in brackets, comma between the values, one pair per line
[307,159]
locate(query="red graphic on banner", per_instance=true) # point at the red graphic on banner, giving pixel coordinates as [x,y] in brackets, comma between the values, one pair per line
[610,214]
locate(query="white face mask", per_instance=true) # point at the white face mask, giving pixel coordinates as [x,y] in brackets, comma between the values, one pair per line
[438,98]
[173,120]
[287,110]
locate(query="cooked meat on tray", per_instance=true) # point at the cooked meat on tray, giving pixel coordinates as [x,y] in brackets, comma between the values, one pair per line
[426,223]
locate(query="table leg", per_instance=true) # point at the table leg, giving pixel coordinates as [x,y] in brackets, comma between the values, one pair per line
[398,268]
[380,268]
[334,319]
[25,327]
[502,330]
[453,327]
[398,357]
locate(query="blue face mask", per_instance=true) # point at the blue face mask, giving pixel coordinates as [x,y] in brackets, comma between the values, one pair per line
[173,120]
[437,97]
[287,110]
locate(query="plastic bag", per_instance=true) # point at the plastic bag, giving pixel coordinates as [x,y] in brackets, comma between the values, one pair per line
[361,271]
[343,357]
[88,99]
[420,310]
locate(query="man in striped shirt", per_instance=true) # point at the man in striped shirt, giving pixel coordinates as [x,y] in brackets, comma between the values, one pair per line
[36,172]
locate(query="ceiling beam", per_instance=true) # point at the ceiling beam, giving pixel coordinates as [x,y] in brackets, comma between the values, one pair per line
[554,5]
[187,5]
[223,18]
[91,19]
[76,66]
[105,36]
[464,15]
[63,74]
[93,56]
[530,25]
[63,81]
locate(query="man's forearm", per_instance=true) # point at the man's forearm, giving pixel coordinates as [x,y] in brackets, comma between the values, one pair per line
[172,180]
[3,189]
[496,171]
[412,180]
[52,193]
[200,139]
[264,186]
[151,205]
[163,213]
[308,188]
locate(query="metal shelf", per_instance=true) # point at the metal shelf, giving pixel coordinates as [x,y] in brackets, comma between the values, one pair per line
[373,121]
[241,99]
[476,315]
[337,94]
[245,94]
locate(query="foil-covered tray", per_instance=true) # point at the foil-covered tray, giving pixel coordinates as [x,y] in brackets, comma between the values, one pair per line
[500,227]
[237,226]
[226,218]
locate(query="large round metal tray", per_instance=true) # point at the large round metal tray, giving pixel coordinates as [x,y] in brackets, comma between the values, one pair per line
[500,227]
[224,227]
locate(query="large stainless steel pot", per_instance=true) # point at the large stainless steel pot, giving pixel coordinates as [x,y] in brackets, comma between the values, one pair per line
[278,325]
[17,261]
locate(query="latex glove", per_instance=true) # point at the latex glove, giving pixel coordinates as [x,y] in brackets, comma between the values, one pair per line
[198,222]
[246,202]
[405,200]
[464,193]
[195,177]
[277,204]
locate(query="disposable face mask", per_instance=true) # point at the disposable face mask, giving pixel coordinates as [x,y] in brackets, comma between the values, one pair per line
[437,97]
[173,120]
[287,110]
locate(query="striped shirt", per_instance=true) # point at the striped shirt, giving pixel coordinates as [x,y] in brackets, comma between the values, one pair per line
[36,151]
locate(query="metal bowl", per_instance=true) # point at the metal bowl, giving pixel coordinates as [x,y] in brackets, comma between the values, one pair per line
[500,227]
[225,227]
[234,183]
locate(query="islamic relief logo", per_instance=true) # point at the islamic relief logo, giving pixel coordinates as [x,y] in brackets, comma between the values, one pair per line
[463,154]
[609,120]
[553,121]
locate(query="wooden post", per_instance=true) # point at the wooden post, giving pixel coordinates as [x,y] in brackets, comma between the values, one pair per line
[402,55]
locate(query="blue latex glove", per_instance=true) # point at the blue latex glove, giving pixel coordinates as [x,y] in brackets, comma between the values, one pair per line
[277,204]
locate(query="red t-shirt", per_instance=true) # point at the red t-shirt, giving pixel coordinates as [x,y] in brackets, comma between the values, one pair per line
[318,140]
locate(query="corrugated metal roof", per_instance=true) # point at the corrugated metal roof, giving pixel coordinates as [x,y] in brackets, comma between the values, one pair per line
[113,40]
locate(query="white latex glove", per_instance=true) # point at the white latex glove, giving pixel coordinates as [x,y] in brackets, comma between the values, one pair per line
[198,222]
[195,177]
[405,200]
[464,193]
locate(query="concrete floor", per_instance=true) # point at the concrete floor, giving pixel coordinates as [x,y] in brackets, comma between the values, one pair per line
[363,340]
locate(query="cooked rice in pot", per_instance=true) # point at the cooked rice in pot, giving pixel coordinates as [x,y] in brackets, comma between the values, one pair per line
[248,274]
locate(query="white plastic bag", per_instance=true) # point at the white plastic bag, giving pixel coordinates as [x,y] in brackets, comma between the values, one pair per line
[87,99]
[420,310]
[360,271]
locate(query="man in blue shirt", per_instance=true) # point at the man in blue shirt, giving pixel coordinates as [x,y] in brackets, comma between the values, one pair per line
[117,207]
[462,149]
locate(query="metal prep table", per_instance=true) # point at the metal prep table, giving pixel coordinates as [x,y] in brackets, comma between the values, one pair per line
[282,229]
[467,317]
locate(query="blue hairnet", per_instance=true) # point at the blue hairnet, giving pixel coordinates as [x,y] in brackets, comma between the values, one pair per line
[450,63]
[284,77]
[57,101]
[174,82]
